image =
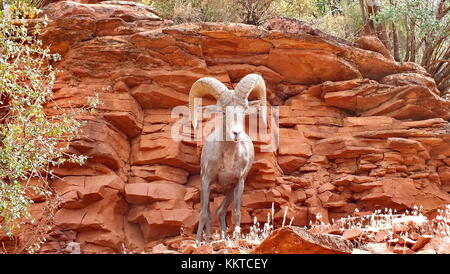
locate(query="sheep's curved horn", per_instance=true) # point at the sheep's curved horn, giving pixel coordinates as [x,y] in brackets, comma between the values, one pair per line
[202,87]
[253,83]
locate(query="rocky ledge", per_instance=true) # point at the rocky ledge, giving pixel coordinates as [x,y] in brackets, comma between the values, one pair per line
[357,129]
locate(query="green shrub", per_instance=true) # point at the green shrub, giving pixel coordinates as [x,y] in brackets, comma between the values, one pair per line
[339,18]
[32,140]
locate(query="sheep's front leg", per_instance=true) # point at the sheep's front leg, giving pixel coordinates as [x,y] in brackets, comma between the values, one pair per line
[222,211]
[239,189]
[205,214]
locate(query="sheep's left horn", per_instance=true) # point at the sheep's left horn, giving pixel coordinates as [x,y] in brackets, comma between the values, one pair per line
[202,87]
[253,83]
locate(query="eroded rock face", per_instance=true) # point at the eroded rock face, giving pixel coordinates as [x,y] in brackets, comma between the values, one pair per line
[358,130]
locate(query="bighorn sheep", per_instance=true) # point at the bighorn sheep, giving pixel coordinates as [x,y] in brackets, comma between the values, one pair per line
[228,151]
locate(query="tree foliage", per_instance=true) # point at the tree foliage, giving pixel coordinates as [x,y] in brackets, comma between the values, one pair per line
[338,17]
[413,30]
[417,31]
[33,139]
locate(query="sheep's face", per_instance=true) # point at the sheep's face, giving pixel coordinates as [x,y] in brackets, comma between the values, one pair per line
[234,119]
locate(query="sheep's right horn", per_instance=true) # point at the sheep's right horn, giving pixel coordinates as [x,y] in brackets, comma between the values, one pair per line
[253,83]
[202,87]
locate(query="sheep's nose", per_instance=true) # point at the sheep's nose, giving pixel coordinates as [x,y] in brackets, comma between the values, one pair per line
[236,134]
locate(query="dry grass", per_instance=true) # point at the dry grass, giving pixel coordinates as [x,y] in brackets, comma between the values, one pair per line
[390,220]
[258,232]
[406,225]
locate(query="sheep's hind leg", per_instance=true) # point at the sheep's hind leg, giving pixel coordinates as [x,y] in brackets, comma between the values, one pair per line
[205,214]
[222,211]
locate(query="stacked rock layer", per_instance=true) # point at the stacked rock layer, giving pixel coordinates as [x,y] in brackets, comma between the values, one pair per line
[357,129]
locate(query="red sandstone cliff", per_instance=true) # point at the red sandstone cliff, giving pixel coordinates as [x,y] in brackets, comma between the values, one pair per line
[358,130]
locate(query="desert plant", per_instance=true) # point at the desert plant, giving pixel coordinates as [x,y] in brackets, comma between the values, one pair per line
[414,30]
[33,139]
[339,18]
[21,8]
[256,12]
[240,11]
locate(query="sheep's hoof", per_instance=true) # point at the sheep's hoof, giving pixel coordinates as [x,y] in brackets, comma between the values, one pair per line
[237,233]
[223,235]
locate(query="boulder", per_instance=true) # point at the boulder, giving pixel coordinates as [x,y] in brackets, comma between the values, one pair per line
[294,240]
[374,44]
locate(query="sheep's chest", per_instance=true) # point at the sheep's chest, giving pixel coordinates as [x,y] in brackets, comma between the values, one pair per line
[230,169]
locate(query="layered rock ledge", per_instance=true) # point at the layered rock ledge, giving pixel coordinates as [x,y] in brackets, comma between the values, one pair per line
[357,129]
